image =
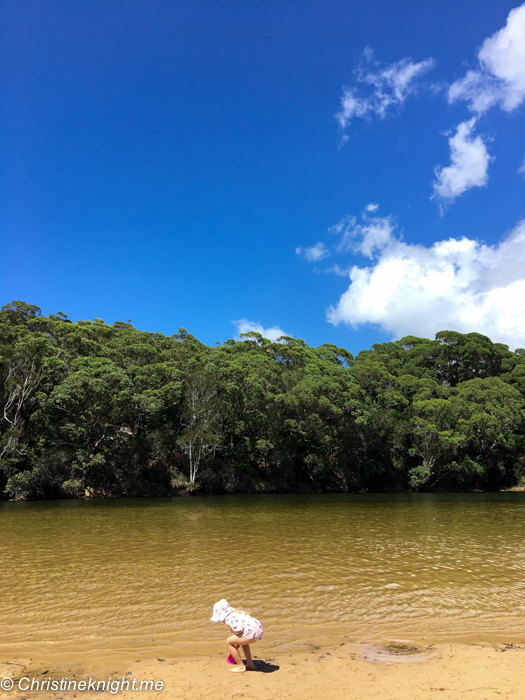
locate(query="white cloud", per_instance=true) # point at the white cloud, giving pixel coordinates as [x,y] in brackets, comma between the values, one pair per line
[315,253]
[391,85]
[500,77]
[245,326]
[468,167]
[365,237]
[456,284]
[480,89]
[336,269]
[372,207]
[521,169]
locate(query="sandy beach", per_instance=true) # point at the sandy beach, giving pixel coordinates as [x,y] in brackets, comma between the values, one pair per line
[447,672]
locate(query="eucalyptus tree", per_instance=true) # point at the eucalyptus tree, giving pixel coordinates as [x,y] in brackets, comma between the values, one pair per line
[200,437]
[90,407]
[22,364]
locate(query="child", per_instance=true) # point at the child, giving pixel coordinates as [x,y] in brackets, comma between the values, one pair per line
[246,630]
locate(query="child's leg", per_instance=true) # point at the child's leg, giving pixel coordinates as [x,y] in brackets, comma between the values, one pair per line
[248,654]
[232,643]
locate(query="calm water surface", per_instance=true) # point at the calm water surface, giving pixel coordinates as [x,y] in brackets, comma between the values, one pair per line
[142,575]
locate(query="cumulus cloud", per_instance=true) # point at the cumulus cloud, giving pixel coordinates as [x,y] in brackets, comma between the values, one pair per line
[521,169]
[245,326]
[389,86]
[315,253]
[455,284]
[500,76]
[468,167]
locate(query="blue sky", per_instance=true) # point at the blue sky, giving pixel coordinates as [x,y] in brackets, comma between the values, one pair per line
[197,164]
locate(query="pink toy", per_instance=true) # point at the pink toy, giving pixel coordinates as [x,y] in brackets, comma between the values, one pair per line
[230,658]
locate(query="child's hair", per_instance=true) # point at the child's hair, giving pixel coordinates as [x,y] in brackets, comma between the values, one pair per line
[240,612]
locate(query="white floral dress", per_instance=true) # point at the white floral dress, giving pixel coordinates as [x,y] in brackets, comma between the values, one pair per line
[245,625]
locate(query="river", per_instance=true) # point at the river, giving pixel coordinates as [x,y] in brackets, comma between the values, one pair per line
[140,576]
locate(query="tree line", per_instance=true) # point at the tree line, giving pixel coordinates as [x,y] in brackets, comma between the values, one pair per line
[89,408]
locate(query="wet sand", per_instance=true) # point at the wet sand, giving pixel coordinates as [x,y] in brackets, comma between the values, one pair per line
[446,671]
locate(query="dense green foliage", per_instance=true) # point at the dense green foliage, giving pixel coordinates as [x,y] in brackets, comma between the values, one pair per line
[91,408]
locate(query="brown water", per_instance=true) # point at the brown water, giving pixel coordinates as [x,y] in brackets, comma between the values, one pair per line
[141,576]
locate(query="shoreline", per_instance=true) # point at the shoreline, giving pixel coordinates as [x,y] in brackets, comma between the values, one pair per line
[456,671]
[207,641]
[99,496]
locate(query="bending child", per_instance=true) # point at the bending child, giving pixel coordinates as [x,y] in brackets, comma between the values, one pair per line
[246,630]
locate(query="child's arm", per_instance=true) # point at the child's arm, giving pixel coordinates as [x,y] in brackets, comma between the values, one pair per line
[237,628]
